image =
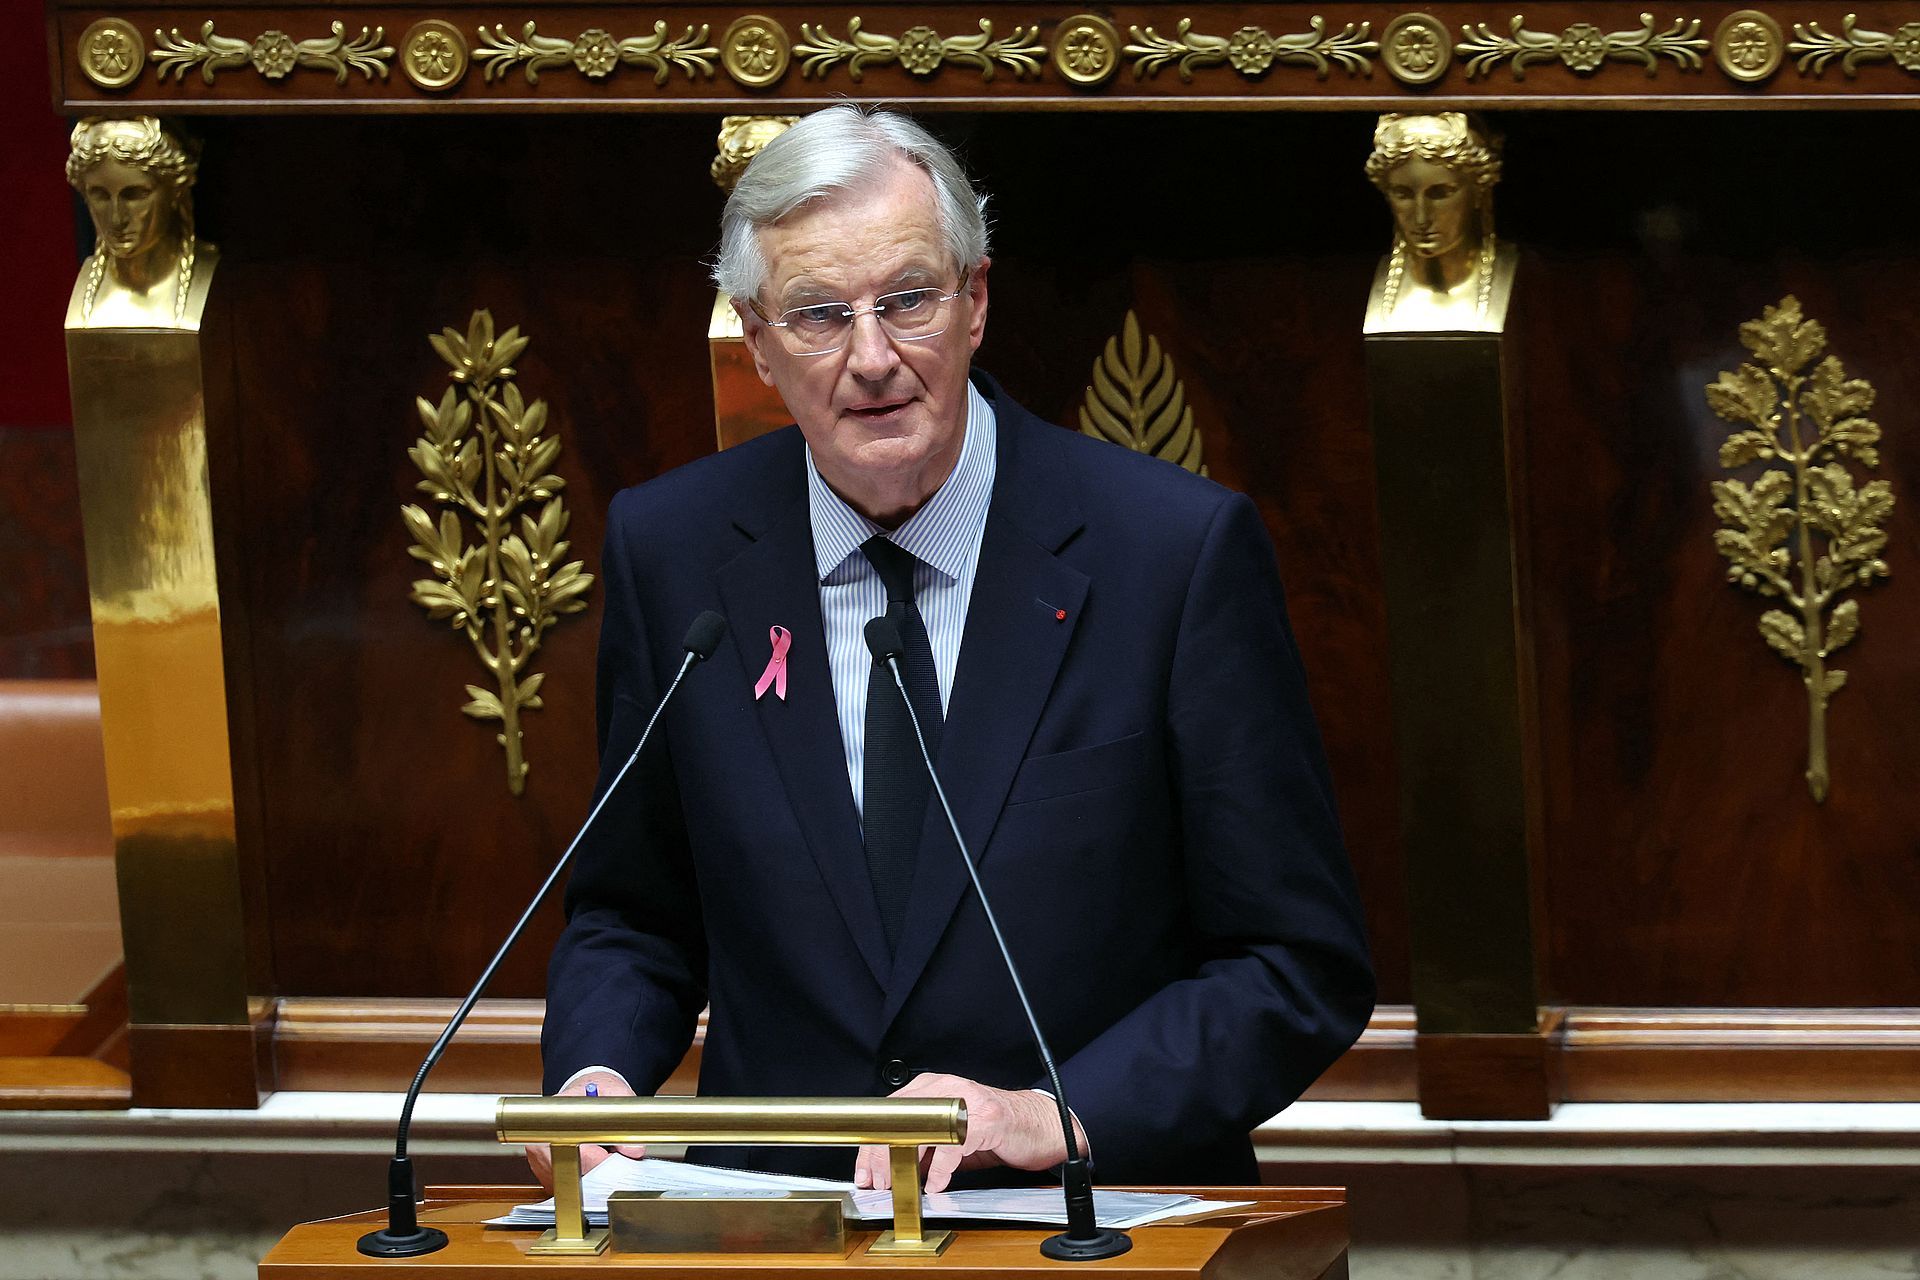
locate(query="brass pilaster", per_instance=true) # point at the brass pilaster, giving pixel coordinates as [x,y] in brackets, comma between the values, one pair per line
[135,356]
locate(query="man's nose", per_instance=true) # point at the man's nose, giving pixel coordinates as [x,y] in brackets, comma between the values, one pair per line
[870,351]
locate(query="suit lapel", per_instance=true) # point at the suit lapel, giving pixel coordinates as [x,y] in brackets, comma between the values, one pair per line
[1009,657]
[774,582]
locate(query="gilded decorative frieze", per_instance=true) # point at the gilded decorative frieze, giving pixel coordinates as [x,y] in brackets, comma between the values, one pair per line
[1803,532]
[1416,48]
[920,50]
[111,54]
[1252,51]
[274,54]
[1582,47]
[483,457]
[595,53]
[1086,50]
[756,50]
[1748,46]
[434,55]
[1136,400]
[1814,48]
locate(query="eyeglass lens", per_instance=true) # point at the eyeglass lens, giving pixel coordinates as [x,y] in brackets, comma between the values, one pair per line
[911,315]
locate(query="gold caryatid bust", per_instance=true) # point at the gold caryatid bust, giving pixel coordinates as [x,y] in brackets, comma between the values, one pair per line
[1447,273]
[147,270]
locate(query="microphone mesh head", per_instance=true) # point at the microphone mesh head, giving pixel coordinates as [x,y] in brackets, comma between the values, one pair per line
[704,636]
[883,639]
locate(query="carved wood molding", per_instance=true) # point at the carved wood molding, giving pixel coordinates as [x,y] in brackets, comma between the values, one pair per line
[354,56]
[1607,1055]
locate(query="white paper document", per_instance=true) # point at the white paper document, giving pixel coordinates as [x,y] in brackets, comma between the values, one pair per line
[1118,1209]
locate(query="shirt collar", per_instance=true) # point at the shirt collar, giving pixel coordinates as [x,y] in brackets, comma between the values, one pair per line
[939,533]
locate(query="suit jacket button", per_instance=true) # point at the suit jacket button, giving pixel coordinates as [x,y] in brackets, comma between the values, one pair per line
[895,1073]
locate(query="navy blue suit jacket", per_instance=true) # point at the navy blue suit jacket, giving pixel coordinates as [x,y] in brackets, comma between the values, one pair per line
[1142,783]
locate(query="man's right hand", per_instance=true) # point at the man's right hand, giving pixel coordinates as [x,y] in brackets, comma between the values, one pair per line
[608,1085]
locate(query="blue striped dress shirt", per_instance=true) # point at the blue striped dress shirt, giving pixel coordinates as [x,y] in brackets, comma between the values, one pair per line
[944,535]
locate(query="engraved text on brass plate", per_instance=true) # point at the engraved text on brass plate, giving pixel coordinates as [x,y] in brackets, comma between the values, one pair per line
[1802,532]
[484,457]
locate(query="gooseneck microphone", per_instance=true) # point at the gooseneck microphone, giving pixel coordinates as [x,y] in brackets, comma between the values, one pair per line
[403,1236]
[1084,1240]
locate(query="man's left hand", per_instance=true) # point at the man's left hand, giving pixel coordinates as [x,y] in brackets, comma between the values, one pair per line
[1018,1128]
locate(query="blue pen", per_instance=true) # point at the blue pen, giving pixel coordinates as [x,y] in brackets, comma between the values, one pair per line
[593,1090]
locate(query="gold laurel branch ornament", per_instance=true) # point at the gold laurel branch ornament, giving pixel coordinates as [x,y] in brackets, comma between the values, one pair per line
[1137,401]
[920,50]
[595,53]
[274,54]
[1802,533]
[1253,50]
[483,457]
[1582,47]
[1814,48]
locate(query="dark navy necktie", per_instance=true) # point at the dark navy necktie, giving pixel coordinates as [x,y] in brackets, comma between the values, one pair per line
[895,785]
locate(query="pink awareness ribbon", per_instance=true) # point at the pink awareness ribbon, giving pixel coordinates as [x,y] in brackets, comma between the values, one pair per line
[775,676]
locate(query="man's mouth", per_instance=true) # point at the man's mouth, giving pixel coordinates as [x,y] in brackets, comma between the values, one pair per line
[879,410]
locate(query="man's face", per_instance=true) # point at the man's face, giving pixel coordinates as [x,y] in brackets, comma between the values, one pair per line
[1433,208]
[885,418]
[128,208]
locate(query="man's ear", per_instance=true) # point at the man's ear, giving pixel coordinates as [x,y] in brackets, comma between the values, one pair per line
[757,336]
[977,295]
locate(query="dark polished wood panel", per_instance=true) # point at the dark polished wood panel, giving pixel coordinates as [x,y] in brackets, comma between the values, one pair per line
[394,856]
[1686,862]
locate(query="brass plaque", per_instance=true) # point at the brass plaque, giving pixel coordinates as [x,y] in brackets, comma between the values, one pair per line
[729,1222]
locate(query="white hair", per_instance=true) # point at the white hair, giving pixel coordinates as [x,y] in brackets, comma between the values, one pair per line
[840,149]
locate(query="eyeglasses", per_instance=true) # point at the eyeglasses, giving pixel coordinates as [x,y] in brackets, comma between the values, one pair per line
[822,328]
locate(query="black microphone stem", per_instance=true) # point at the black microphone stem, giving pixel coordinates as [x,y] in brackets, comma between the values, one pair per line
[403,1236]
[1084,1240]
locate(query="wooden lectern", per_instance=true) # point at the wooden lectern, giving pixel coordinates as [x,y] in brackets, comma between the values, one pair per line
[1289,1233]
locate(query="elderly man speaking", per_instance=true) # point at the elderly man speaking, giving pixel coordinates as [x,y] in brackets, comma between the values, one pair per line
[1097,645]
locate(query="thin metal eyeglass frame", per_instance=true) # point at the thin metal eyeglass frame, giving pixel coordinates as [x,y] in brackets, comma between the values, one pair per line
[854,313]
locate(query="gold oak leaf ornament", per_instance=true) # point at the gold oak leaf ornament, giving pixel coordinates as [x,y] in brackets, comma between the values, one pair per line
[483,458]
[1135,400]
[1803,532]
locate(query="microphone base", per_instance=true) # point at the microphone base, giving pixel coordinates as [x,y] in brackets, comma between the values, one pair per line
[404,1244]
[1101,1244]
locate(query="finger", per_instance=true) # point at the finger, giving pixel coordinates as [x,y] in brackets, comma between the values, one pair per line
[632,1151]
[940,1170]
[540,1160]
[863,1168]
[590,1156]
